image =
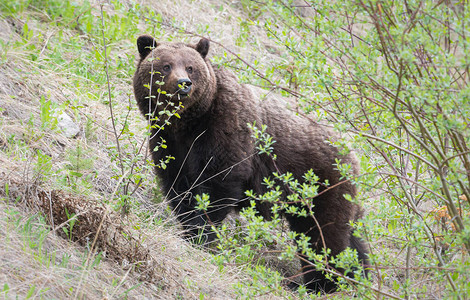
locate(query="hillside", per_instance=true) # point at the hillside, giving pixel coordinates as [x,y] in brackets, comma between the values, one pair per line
[82,214]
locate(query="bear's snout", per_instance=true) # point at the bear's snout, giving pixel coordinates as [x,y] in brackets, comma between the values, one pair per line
[184,86]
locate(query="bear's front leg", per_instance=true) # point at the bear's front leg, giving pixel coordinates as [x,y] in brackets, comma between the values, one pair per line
[195,222]
[224,196]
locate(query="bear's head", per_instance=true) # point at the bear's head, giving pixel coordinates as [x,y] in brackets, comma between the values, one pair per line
[173,74]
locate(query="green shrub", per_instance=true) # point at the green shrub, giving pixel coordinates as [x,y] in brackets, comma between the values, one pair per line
[393,77]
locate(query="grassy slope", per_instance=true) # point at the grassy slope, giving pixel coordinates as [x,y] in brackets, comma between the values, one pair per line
[51,58]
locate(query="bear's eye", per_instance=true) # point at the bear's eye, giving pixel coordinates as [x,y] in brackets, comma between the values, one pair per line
[189,70]
[166,68]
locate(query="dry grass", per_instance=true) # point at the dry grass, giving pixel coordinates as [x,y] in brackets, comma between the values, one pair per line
[221,19]
[153,261]
[220,22]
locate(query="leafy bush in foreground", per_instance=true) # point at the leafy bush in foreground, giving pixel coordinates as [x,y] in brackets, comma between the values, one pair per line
[393,77]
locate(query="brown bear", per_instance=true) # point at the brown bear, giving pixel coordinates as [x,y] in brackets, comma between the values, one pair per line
[215,153]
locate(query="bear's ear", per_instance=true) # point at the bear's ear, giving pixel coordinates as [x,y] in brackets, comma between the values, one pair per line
[145,44]
[203,47]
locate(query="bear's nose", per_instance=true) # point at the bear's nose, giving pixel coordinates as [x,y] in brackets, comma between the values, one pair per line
[184,86]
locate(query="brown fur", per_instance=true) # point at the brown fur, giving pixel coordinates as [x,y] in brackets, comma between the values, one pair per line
[215,153]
